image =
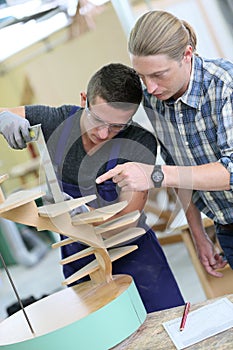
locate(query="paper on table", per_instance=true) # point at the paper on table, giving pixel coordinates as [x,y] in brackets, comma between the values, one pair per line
[201,324]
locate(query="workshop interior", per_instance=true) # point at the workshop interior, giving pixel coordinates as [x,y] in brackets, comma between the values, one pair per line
[49,49]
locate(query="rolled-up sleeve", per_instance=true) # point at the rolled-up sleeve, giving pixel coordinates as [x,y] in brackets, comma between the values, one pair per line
[225,133]
[227,162]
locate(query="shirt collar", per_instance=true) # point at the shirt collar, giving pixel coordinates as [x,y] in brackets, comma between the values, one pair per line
[192,95]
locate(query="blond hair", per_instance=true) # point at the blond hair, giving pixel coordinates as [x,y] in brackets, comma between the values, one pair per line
[160,32]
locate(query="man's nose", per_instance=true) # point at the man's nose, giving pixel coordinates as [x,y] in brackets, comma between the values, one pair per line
[151,85]
[103,131]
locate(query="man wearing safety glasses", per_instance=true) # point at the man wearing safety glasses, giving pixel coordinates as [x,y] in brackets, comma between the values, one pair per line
[86,142]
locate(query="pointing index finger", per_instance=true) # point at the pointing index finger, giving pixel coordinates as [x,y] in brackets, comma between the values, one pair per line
[106,176]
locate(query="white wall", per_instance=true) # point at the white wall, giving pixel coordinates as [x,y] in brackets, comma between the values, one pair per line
[214,37]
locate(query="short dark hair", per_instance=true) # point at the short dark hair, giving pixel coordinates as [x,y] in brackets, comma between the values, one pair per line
[117,84]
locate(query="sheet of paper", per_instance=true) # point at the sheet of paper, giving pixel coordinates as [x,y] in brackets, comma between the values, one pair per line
[201,324]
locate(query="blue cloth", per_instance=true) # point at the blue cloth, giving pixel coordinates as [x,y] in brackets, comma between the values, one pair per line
[225,234]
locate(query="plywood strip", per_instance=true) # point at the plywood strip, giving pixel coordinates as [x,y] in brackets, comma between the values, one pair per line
[118,222]
[115,254]
[118,253]
[62,243]
[108,226]
[86,270]
[53,210]
[79,255]
[20,198]
[100,214]
[124,236]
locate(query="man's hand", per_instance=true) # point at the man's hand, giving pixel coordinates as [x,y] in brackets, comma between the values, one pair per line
[210,260]
[130,176]
[15,129]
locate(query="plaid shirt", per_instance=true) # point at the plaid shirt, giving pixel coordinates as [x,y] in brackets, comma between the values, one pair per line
[198,129]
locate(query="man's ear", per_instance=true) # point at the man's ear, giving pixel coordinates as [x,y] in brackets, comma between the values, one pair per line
[83,97]
[188,53]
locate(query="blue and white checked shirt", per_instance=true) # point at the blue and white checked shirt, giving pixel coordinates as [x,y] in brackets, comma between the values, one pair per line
[198,129]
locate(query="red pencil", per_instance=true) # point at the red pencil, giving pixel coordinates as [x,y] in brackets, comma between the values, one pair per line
[184,317]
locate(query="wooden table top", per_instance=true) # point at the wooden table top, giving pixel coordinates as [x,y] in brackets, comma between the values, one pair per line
[152,335]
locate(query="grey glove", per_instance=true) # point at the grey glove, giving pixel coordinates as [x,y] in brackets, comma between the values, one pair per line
[48,199]
[15,129]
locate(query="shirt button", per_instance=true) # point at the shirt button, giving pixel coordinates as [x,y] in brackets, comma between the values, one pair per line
[181,115]
[186,143]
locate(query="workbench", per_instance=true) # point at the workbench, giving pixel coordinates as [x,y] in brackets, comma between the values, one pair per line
[152,335]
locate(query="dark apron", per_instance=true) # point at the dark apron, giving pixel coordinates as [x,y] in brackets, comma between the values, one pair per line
[147,265]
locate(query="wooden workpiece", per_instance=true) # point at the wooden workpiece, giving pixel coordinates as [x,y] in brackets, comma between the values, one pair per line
[106,228]
[66,318]
[76,317]
[56,209]
[19,198]
[100,214]
[69,316]
[20,207]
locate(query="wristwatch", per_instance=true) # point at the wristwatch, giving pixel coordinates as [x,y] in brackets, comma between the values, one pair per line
[157,176]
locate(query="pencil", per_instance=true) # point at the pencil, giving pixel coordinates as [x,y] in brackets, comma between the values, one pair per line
[184,317]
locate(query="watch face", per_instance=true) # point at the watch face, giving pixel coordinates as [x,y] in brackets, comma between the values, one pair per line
[157,176]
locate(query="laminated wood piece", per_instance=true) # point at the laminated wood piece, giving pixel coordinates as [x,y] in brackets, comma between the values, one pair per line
[114,224]
[100,214]
[122,304]
[19,198]
[66,318]
[119,222]
[93,266]
[56,209]
[122,237]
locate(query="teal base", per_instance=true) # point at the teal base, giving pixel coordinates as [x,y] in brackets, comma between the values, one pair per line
[100,330]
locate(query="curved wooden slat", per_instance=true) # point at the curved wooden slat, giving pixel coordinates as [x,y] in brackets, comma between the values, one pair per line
[124,236]
[100,214]
[79,255]
[93,266]
[62,243]
[123,220]
[19,198]
[107,226]
[53,210]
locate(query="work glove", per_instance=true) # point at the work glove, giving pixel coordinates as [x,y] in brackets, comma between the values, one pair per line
[48,199]
[15,129]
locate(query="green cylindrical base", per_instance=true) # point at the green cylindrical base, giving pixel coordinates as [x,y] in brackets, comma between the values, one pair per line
[97,327]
